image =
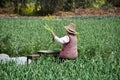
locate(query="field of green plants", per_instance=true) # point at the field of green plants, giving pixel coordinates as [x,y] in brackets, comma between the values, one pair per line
[99,45]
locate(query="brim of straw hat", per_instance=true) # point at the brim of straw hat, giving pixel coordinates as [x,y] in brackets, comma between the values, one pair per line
[69,30]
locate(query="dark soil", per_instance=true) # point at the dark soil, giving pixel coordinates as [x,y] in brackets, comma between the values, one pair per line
[90,12]
[8,12]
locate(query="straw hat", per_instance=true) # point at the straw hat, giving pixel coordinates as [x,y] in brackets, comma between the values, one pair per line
[71,28]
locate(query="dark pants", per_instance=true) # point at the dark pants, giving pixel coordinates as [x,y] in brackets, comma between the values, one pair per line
[61,60]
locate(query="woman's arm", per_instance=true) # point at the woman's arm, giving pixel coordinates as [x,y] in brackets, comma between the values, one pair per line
[61,40]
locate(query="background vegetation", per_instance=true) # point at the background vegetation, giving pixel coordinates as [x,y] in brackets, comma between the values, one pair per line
[27,36]
[99,44]
[45,7]
[98,57]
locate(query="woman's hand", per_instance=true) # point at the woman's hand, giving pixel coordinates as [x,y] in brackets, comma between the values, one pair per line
[53,34]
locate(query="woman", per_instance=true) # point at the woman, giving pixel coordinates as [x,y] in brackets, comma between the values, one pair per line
[69,49]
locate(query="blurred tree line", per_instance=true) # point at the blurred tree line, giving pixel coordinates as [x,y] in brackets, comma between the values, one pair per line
[45,7]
